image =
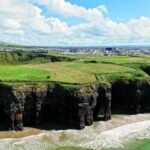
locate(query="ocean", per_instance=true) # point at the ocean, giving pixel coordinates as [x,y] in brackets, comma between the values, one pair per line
[123,132]
[136,145]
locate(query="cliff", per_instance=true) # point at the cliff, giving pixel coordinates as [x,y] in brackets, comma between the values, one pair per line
[74,93]
[49,102]
[33,104]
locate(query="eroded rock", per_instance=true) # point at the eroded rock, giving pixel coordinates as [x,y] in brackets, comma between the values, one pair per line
[34,104]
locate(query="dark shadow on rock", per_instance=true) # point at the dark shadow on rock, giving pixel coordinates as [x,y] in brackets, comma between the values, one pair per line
[99,118]
[4,127]
[53,126]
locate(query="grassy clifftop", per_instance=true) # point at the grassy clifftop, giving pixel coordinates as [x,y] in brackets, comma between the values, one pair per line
[19,67]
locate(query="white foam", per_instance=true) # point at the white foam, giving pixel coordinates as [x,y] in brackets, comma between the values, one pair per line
[26,143]
[114,133]
[115,138]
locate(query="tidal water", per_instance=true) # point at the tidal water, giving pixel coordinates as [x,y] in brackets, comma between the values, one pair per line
[123,132]
[136,145]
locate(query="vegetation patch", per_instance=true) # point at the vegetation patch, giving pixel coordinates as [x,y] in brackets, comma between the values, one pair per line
[78,72]
[20,73]
[70,70]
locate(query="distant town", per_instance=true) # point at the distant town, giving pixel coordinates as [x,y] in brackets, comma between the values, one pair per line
[101,51]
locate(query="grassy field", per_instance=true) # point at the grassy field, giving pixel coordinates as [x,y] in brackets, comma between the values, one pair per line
[21,73]
[82,69]
[77,72]
[131,61]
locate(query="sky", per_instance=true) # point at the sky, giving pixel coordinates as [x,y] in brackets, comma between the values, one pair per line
[75,22]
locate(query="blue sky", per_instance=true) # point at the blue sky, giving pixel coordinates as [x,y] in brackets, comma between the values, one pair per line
[124,9]
[119,10]
[75,22]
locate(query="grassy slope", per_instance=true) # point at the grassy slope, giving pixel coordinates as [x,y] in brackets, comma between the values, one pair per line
[121,60]
[78,71]
[24,58]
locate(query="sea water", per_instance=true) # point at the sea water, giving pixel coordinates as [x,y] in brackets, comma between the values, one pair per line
[120,133]
[136,145]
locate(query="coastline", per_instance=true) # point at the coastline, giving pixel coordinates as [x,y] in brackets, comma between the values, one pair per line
[116,133]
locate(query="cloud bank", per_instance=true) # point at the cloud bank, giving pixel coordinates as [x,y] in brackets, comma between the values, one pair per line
[25,22]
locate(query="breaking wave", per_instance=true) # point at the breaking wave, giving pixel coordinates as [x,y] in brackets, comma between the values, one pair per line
[115,138]
[112,134]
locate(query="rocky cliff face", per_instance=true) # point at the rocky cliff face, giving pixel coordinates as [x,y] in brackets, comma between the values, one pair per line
[131,97]
[33,104]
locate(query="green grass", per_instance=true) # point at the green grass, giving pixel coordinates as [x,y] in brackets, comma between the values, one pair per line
[24,58]
[78,72]
[121,60]
[71,69]
[20,73]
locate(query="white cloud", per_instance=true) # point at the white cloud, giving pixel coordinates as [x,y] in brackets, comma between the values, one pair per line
[14,32]
[71,10]
[11,23]
[23,22]
[140,26]
[38,22]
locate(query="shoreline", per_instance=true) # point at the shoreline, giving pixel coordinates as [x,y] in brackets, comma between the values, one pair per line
[115,122]
[118,133]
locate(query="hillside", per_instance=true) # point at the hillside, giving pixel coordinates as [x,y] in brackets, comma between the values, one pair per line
[18,67]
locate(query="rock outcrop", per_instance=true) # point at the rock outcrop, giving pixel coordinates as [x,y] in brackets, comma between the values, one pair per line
[34,104]
[131,97]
